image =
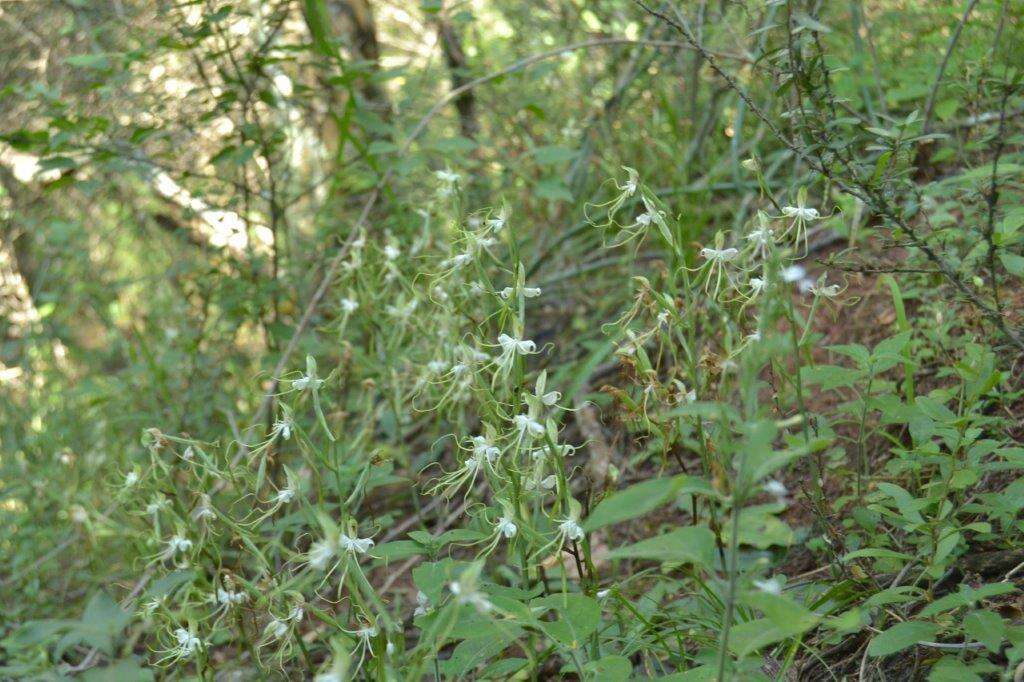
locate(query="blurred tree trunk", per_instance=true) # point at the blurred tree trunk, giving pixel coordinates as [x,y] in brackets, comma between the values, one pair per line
[201,224]
[455,58]
[356,18]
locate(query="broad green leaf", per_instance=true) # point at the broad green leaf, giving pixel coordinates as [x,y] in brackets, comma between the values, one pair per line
[689,545]
[760,527]
[319,23]
[398,549]
[829,377]
[951,669]
[552,154]
[782,611]
[875,553]
[985,627]
[609,669]
[1013,263]
[947,543]
[489,641]
[748,637]
[901,636]
[124,670]
[634,501]
[578,617]
[89,61]
[553,189]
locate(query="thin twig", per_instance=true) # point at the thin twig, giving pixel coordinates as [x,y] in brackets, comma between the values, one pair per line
[929,107]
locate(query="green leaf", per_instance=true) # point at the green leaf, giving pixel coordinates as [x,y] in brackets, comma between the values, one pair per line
[578,617]
[875,553]
[783,619]
[103,613]
[947,543]
[1013,263]
[689,545]
[985,627]
[900,636]
[489,641]
[319,23]
[908,505]
[553,154]
[830,376]
[398,549]
[634,501]
[609,669]
[553,189]
[430,578]
[951,669]
[454,145]
[124,670]
[89,61]
[760,527]
[854,351]
[782,611]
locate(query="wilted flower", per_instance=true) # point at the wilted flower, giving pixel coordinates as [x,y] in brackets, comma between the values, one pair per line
[276,629]
[466,595]
[506,527]
[367,633]
[632,182]
[825,291]
[550,398]
[775,488]
[485,448]
[203,510]
[228,597]
[793,273]
[762,236]
[447,176]
[320,553]
[307,382]
[497,223]
[283,428]
[178,543]
[770,586]
[458,260]
[422,604]
[526,425]
[188,643]
[571,529]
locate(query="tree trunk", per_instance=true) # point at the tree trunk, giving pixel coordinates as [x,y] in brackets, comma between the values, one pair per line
[455,58]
